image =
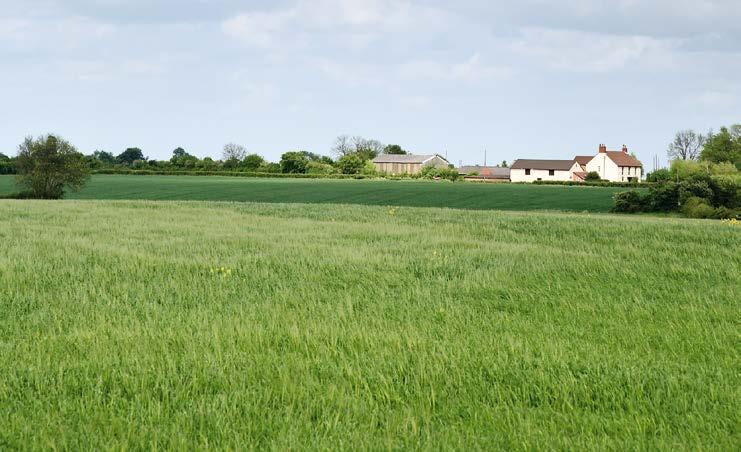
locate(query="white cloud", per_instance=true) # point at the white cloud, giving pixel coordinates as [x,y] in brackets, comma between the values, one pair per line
[470,70]
[356,22]
[579,51]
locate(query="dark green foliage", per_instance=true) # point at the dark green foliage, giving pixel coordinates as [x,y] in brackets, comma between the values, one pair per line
[726,192]
[293,163]
[630,202]
[592,176]
[663,197]
[129,156]
[252,162]
[351,163]
[694,188]
[394,149]
[180,159]
[7,165]
[596,183]
[660,175]
[724,146]
[49,165]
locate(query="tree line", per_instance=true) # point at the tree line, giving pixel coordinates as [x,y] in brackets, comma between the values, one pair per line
[47,166]
[349,155]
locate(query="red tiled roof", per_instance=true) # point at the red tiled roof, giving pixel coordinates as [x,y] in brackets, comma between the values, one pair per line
[583,159]
[623,159]
[580,175]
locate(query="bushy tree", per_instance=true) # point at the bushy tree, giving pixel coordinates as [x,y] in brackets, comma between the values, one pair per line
[293,163]
[394,149]
[629,202]
[49,165]
[660,175]
[592,176]
[129,156]
[724,146]
[252,162]
[182,159]
[350,164]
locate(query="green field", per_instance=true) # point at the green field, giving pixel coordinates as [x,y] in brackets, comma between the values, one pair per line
[368,192]
[361,327]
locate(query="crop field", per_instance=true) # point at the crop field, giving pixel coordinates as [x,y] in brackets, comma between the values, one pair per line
[368,192]
[208,325]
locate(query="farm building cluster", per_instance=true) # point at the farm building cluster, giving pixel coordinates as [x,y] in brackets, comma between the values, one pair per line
[613,166]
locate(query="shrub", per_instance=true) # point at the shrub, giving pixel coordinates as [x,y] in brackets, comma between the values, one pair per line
[660,175]
[663,197]
[629,202]
[320,168]
[724,213]
[694,187]
[351,164]
[592,176]
[432,172]
[725,192]
[696,207]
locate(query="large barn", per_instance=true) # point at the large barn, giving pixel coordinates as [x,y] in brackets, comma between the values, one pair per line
[407,164]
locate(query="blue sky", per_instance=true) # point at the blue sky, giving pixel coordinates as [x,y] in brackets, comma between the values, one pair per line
[528,78]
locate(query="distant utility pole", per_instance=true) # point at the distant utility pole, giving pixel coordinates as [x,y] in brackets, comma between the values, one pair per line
[484,157]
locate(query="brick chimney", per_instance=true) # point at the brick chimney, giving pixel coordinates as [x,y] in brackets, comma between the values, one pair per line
[625,149]
[602,148]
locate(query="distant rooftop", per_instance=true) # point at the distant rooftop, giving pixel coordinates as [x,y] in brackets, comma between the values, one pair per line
[558,165]
[404,158]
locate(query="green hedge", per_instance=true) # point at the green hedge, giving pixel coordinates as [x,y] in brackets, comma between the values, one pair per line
[230,174]
[601,183]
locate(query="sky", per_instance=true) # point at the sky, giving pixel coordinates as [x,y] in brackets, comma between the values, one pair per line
[519,79]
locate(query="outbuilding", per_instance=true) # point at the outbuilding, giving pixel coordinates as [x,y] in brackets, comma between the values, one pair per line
[407,164]
[527,170]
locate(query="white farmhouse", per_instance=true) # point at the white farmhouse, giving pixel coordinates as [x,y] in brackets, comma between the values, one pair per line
[525,170]
[615,166]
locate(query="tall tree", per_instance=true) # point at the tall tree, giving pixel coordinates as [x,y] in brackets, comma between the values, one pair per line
[687,145]
[723,147]
[104,157]
[130,155]
[252,162]
[342,146]
[49,165]
[234,152]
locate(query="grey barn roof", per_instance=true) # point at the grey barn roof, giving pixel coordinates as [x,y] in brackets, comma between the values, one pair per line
[401,158]
[558,165]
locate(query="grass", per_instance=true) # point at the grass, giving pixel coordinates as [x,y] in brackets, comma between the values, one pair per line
[368,192]
[356,327]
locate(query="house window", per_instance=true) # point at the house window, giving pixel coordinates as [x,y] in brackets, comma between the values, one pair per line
[527,172]
[551,172]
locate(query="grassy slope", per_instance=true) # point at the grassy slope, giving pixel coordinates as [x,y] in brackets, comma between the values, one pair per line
[400,193]
[354,327]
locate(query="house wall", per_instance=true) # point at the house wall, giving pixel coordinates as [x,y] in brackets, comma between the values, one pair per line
[518,175]
[608,170]
[437,162]
[399,168]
